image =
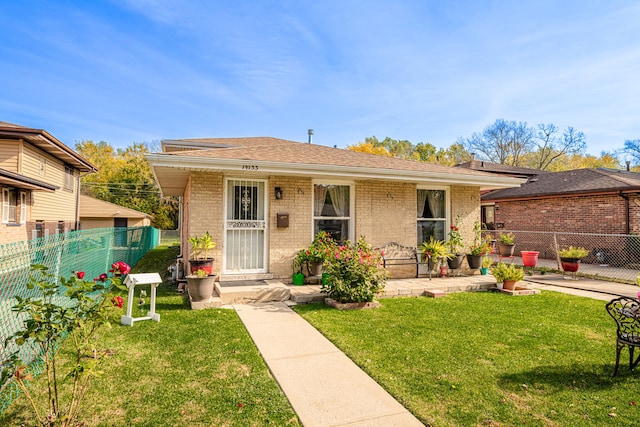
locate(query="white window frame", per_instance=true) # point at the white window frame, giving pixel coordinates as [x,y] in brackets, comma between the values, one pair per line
[447,208]
[5,205]
[23,207]
[352,205]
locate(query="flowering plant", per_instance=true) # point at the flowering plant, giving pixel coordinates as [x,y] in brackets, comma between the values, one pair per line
[355,273]
[481,246]
[455,242]
[318,251]
[49,319]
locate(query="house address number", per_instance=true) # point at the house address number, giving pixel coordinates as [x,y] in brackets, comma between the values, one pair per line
[249,167]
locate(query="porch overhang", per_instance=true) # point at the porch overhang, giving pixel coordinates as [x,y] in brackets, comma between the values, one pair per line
[172,172]
[22,182]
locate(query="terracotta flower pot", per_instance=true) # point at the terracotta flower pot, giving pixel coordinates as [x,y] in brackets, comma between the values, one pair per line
[509,285]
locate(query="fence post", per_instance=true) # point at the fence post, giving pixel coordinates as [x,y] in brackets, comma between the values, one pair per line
[556,249]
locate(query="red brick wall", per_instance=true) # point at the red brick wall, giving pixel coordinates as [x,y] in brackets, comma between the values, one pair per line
[583,214]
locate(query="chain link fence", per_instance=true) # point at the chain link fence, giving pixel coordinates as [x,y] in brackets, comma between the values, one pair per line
[170,237]
[92,251]
[611,256]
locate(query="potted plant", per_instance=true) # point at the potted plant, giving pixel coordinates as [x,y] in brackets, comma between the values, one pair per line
[506,244]
[508,274]
[314,255]
[570,257]
[486,263]
[199,258]
[437,250]
[200,285]
[481,246]
[456,245]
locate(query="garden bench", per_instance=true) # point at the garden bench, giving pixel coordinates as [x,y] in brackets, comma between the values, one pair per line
[626,313]
[397,254]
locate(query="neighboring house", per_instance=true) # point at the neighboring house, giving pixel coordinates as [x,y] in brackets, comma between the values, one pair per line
[599,200]
[263,199]
[95,213]
[39,181]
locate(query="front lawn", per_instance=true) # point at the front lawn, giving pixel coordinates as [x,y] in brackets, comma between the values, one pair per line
[489,359]
[193,368]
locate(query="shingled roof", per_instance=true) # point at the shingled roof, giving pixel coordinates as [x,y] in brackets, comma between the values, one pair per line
[47,143]
[265,156]
[280,150]
[573,182]
[499,168]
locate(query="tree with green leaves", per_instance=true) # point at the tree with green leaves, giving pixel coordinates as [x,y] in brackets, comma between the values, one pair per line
[124,177]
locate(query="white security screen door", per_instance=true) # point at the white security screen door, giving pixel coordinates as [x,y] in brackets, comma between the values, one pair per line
[245,227]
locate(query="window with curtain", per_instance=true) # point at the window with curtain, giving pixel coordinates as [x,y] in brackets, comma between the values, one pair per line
[431,214]
[332,210]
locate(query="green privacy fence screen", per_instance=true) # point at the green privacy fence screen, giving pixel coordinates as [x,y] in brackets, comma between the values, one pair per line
[92,251]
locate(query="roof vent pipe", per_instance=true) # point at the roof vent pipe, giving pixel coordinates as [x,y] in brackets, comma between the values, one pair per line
[310,132]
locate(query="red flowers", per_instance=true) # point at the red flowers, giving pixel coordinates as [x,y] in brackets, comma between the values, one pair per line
[120,267]
[117,301]
[79,274]
[102,278]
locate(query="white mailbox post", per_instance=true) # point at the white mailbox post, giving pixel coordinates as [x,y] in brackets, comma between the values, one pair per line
[131,282]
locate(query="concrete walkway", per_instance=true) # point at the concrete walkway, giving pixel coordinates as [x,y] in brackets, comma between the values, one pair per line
[324,386]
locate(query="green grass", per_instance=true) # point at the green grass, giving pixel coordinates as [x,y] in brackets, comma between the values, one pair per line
[477,359]
[470,359]
[195,368]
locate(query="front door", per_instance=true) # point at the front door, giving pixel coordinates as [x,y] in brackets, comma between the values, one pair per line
[245,227]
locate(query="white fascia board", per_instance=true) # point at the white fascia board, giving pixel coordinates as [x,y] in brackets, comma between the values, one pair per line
[313,170]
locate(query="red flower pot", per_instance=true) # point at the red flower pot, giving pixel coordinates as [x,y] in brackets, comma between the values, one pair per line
[529,258]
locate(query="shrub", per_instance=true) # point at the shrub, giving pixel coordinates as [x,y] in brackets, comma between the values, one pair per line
[503,272]
[355,273]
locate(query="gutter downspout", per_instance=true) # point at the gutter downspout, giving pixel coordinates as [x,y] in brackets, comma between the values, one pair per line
[78,198]
[628,211]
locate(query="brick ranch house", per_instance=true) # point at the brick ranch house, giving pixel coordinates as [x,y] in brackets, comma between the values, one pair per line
[601,200]
[597,200]
[263,199]
[39,183]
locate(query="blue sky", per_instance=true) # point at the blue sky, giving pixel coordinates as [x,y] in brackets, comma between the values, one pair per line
[427,71]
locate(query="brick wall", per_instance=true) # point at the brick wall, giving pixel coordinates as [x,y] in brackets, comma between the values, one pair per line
[465,206]
[13,233]
[203,211]
[384,212]
[284,243]
[580,214]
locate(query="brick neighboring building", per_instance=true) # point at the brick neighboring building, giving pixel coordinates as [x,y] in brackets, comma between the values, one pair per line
[263,199]
[39,183]
[601,200]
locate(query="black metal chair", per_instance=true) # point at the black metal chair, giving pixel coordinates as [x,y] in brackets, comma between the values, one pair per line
[626,313]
